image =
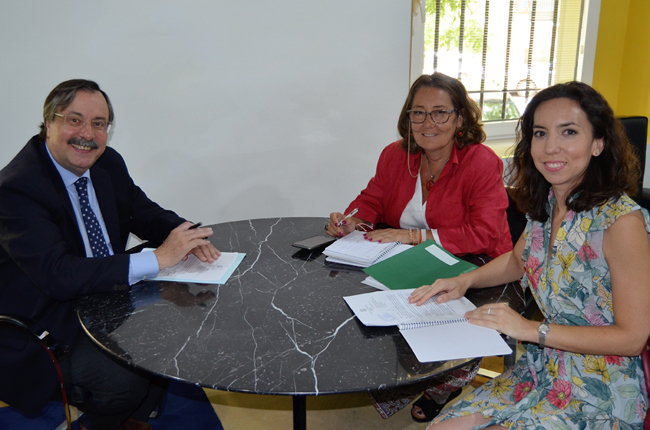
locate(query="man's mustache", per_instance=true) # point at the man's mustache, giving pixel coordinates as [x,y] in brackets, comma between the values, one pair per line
[79,141]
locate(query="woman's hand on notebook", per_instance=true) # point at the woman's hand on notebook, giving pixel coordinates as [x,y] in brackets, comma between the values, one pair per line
[386,235]
[445,289]
[505,320]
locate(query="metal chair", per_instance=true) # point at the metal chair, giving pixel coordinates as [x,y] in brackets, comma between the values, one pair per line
[18,334]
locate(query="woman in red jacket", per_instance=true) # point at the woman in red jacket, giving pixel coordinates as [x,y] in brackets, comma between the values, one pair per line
[438,182]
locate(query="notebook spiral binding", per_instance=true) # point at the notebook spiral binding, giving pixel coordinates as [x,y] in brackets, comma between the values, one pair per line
[412,325]
[387,250]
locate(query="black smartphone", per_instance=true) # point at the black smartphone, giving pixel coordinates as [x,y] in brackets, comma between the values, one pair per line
[314,242]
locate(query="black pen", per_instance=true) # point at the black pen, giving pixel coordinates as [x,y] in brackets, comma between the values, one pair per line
[197,225]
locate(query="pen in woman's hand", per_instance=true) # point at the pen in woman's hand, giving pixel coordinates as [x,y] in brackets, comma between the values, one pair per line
[338,224]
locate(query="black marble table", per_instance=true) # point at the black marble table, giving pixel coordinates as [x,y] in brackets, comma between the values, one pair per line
[278,326]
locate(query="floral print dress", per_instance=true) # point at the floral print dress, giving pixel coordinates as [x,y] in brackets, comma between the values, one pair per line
[554,389]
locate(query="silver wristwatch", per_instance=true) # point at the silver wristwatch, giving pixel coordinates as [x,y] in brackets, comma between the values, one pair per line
[543,330]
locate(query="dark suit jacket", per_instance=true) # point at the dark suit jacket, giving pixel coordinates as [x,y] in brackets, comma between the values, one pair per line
[43,265]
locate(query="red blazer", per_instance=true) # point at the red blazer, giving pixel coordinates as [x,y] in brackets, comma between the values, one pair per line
[467,204]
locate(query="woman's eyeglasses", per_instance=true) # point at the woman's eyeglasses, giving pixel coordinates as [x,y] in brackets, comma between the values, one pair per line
[438,116]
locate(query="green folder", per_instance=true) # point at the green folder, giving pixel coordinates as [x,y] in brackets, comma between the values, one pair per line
[418,266]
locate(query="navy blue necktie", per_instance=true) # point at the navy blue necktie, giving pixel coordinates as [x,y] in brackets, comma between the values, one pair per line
[95,235]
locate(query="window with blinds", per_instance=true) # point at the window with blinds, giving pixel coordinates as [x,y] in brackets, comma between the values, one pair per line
[504,50]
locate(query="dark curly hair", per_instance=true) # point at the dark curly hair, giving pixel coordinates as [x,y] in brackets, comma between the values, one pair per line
[614,172]
[472,127]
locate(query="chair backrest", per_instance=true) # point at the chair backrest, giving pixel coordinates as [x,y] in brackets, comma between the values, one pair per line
[636,128]
[20,337]
[645,358]
[516,220]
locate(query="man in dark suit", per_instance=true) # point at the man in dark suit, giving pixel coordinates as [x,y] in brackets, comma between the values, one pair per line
[63,237]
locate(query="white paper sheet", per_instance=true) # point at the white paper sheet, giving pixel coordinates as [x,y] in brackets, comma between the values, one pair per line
[454,341]
[194,270]
[385,308]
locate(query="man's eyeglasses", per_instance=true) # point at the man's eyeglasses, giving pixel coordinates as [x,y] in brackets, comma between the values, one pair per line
[73,120]
[438,116]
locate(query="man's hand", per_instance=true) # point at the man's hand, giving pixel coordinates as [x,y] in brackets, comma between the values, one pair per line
[206,253]
[181,241]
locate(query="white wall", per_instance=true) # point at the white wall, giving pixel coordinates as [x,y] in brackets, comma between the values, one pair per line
[225,110]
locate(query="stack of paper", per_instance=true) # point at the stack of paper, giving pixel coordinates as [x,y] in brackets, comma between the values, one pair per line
[355,250]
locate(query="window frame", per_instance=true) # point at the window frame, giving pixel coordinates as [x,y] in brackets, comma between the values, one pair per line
[503,132]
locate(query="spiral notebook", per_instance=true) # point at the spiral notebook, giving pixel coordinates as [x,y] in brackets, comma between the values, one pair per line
[354,249]
[434,331]
[454,342]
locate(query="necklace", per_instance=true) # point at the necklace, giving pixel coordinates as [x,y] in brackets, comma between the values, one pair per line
[430,181]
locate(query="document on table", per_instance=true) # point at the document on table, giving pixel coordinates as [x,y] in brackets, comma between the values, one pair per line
[393,251]
[454,341]
[434,331]
[194,270]
[386,308]
[372,282]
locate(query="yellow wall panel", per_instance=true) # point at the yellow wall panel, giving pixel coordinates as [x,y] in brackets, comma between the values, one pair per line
[634,92]
[622,64]
[610,46]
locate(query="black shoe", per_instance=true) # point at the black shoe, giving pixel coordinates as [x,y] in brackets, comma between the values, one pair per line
[430,408]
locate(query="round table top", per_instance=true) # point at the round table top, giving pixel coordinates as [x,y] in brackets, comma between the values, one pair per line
[279,325]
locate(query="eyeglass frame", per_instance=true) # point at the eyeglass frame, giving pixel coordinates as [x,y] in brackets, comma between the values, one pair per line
[85,121]
[430,114]
[364,226]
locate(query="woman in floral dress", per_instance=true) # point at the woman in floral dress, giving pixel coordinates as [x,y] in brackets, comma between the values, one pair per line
[585,255]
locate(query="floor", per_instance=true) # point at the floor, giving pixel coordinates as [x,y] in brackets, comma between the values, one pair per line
[250,411]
